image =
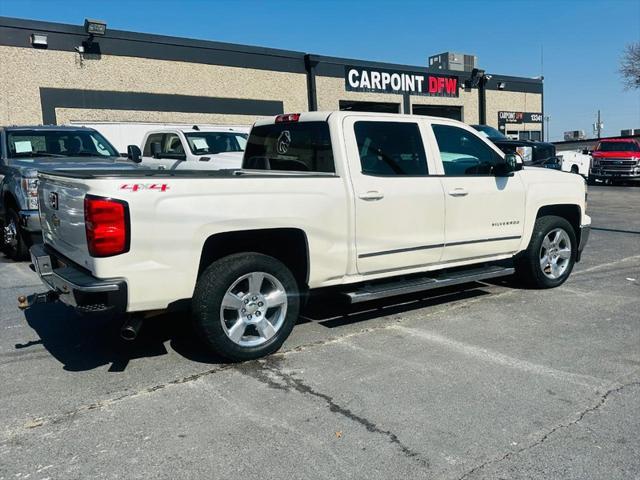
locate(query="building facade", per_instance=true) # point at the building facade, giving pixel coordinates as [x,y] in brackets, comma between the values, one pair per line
[55,73]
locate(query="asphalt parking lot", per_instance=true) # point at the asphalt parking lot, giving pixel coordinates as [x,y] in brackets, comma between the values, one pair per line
[487,381]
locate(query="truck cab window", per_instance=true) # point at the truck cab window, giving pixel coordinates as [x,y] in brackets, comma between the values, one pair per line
[463,153]
[153,138]
[301,147]
[390,148]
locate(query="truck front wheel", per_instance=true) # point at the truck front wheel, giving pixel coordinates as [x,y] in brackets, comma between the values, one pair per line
[245,305]
[548,260]
[14,240]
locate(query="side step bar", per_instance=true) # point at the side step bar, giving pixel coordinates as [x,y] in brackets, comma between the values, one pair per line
[418,284]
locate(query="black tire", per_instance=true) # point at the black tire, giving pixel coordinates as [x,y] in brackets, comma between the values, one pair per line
[574,169]
[212,286]
[591,180]
[18,249]
[528,267]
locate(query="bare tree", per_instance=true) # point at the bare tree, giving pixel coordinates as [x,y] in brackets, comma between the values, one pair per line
[630,66]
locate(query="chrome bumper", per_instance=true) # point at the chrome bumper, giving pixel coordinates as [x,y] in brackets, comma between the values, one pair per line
[72,285]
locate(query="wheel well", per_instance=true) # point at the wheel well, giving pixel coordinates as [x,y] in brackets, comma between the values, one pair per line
[574,168]
[8,202]
[571,213]
[289,245]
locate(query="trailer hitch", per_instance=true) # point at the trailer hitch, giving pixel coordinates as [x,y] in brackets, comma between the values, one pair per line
[27,301]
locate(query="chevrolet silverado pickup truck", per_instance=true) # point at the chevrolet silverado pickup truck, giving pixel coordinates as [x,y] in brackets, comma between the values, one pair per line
[615,160]
[362,205]
[25,150]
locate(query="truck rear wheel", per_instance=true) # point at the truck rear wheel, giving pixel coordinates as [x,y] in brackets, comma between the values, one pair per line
[14,240]
[549,259]
[245,306]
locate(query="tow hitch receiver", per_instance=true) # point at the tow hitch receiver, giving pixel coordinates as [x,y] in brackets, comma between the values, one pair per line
[25,302]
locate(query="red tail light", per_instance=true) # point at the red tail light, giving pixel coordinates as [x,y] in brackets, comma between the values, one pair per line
[288,117]
[107,225]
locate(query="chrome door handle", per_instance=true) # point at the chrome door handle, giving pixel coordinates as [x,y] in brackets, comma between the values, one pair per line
[371,195]
[458,192]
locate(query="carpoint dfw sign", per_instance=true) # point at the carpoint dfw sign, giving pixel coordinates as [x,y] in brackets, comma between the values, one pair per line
[359,79]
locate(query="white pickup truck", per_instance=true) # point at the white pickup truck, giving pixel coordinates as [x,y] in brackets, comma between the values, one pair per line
[196,148]
[366,205]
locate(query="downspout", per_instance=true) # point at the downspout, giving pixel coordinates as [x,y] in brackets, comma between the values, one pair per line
[482,101]
[312,97]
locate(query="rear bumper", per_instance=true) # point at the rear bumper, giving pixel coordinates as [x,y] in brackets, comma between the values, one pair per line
[74,286]
[585,231]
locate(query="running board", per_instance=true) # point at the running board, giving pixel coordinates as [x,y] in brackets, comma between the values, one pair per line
[419,284]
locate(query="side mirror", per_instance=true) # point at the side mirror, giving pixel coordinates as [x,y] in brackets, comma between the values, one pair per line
[134,154]
[504,166]
[155,149]
[515,161]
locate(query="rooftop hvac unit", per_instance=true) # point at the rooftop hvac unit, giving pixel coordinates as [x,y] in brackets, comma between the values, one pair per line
[630,132]
[453,61]
[574,135]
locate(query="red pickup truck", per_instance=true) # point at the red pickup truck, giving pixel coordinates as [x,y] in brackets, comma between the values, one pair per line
[616,159]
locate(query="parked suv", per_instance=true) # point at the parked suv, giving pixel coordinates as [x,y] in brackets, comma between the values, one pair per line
[367,205]
[615,159]
[26,150]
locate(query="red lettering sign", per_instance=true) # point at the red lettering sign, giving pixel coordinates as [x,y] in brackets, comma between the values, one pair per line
[433,85]
[452,85]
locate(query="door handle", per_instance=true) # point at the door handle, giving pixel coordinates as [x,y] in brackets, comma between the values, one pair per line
[459,192]
[371,195]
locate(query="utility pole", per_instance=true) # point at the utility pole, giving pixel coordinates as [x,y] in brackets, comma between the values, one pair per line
[597,127]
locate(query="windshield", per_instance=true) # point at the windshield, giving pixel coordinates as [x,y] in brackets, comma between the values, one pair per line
[58,143]
[618,147]
[490,132]
[202,143]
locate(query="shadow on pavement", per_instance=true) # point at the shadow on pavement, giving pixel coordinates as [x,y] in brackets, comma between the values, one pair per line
[82,343]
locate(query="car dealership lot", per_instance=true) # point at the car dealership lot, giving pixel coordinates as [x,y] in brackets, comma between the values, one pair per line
[488,381]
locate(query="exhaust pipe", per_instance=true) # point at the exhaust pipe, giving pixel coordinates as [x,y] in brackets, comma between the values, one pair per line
[131,327]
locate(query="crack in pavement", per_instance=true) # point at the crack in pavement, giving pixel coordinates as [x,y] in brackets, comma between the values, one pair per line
[601,401]
[270,373]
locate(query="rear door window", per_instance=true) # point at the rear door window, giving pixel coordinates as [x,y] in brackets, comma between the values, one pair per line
[391,149]
[302,147]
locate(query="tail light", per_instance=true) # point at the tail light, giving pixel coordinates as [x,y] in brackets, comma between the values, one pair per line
[288,117]
[107,226]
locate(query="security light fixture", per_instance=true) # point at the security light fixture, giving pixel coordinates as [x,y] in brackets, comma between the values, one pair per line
[39,40]
[95,27]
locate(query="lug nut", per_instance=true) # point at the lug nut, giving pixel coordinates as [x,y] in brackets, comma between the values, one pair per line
[249,317]
[261,304]
[244,310]
[254,298]
[246,301]
[258,313]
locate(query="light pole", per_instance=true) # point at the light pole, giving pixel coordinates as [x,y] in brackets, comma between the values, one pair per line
[547,118]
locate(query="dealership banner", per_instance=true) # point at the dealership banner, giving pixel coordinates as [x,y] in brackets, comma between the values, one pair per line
[359,79]
[519,117]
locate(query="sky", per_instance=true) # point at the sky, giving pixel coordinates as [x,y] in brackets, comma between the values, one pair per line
[576,45]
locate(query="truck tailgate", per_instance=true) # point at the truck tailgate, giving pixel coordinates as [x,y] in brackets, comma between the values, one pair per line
[61,203]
